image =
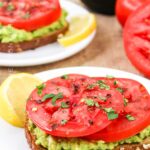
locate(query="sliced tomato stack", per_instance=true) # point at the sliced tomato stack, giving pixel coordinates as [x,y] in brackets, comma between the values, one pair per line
[106,109]
[135,116]
[29,14]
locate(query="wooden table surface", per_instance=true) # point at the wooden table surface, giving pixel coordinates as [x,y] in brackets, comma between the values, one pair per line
[106,50]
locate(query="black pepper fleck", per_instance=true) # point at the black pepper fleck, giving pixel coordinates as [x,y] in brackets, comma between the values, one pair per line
[91,122]
[54,126]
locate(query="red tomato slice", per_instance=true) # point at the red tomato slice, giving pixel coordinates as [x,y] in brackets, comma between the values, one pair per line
[76,117]
[137,40]
[124,8]
[75,82]
[106,99]
[29,15]
[138,106]
[66,79]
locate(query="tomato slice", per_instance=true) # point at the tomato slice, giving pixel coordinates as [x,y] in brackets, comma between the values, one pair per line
[124,9]
[73,115]
[29,15]
[75,82]
[106,99]
[66,79]
[137,40]
[136,115]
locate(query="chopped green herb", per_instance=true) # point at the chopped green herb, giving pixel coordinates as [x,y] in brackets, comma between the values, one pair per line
[91,86]
[63,122]
[47,96]
[125,101]
[102,85]
[10,7]
[40,88]
[65,77]
[120,90]
[27,15]
[100,82]
[97,104]
[89,102]
[54,97]
[110,76]
[115,82]
[130,118]
[102,98]
[64,105]
[1,4]
[111,114]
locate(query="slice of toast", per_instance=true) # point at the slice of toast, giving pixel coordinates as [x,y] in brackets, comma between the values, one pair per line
[35,43]
[141,146]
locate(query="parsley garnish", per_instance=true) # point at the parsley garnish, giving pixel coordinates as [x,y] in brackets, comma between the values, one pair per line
[54,97]
[63,122]
[125,101]
[103,98]
[91,86]
[65,77]
[64,105]
[27,15]
[89,102]
[115,82]
[110,76]
[40,88]
[102,85]
[10,7]
[111,114]
[97,104]
[130,118]
[120,89]
[1,4]
[47,96]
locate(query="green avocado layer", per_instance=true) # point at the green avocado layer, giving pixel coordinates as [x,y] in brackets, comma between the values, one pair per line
[52,143]
[9,34]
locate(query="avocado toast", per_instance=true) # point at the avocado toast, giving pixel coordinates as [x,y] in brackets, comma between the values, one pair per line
[68,113]
[37,138]
[26,25]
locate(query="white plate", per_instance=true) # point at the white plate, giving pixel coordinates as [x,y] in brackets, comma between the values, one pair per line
[49,53]
[12,138]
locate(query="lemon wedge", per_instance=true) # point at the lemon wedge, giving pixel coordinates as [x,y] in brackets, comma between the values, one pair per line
[14,93]
[80,27]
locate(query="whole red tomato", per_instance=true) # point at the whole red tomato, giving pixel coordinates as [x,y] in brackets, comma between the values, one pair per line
[125,7]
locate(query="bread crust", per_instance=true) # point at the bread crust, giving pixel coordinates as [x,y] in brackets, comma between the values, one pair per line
[31,141]
[31,45]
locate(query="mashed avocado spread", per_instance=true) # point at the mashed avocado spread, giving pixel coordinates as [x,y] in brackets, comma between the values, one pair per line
[51,143]
[10,34]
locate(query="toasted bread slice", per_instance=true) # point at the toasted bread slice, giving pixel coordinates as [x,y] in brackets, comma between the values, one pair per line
[141,146]
[31,140]
[31,45]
